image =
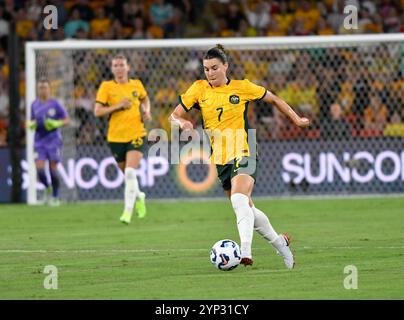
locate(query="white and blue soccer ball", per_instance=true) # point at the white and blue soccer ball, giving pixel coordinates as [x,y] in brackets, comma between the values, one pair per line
[225,255]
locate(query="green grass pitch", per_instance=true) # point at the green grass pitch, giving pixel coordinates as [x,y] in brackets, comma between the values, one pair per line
[166,255]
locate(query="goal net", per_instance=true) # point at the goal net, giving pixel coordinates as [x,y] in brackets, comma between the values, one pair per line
[351,87]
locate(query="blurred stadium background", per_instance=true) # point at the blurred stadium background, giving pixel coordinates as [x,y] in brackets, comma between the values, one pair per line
[353,91]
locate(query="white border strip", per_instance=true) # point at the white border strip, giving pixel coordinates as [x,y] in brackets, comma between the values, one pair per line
[170,43]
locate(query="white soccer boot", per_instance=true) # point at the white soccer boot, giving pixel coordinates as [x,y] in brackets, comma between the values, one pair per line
[283,249]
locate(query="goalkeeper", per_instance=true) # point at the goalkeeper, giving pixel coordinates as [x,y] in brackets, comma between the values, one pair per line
[47,116]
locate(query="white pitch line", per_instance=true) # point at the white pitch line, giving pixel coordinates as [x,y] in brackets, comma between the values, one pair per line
[182,250]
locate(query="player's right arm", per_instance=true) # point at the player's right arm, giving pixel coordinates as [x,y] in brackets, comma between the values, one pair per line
[101,102]
[178,117]
[101,110]
[187,101]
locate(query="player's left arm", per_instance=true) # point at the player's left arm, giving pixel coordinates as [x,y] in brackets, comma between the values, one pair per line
[145,107]
[286,109]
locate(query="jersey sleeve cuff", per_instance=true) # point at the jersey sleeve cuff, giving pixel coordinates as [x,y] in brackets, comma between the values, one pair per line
[265,92]
[103,103]
[183,105]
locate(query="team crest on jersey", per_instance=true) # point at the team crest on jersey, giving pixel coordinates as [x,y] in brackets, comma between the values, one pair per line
[135,94]
[234,99]
[51,112]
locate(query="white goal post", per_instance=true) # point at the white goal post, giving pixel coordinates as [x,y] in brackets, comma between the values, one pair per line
[32,49]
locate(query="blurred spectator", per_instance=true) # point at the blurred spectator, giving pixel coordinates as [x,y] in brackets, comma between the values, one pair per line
[299,27]
[258,16]
[34,9]
[395,128]
[375,116]
[369,23]
[184,7]
[3,134]
[337,16]
[74,24]
[324,28]
[223,29]
[131,10]
[245,30]
[100,24]
[308,15]
[336,128]
[274,30]
[391,23]
[361,89]
[161,14]
[177,26]
[233,16]
[327,92]
[346,96]
[304,96]
[284,17]
[139,29]
[85,11]
[4,24]
[24,25]
[168,93]
[4,101]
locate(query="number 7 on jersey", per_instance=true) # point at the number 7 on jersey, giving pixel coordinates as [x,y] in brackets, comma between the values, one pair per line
[220,113]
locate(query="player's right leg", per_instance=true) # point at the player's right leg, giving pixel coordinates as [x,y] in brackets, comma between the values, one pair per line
[118,150]
[241,187]
[40,163]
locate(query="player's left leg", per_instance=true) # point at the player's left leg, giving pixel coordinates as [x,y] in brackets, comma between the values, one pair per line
[139,147]
[280,242]
[40,164]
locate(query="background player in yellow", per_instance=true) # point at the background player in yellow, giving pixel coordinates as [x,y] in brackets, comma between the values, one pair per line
[223,103]
[126,103]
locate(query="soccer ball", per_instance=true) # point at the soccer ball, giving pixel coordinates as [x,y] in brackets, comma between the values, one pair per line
[225,255]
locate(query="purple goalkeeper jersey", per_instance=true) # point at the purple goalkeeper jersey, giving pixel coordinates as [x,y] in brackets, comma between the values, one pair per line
[40,111]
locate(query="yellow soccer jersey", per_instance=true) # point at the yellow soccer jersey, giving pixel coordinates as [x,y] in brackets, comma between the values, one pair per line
[224,114]
[124,125]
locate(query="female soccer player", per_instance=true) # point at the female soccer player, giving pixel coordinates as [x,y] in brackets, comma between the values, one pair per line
[124,100]
[47,116]
[223,104]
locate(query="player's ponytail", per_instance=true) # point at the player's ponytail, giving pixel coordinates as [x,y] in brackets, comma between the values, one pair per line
[217,52]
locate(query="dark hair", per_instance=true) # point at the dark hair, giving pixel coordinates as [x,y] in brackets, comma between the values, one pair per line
[119,57]
[216,52]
